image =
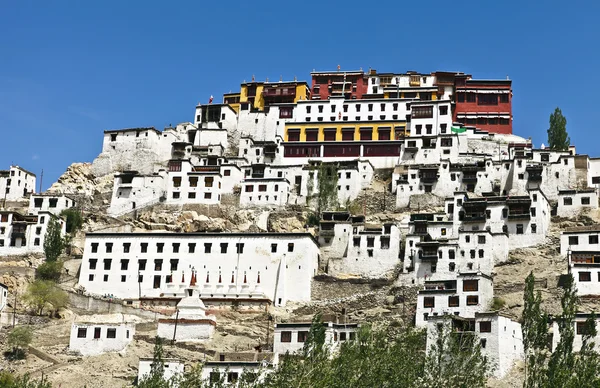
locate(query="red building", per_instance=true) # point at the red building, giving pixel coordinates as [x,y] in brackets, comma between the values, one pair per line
[485,104]
[350,84]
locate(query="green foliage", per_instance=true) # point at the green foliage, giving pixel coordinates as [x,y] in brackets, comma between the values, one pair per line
[497,303]
[155,378]
[49,270]
[9,380]
[19,339]
[327,182]
[74,220]
[53,241]
[558,138]
[312,219]
[42,294]
[455,360]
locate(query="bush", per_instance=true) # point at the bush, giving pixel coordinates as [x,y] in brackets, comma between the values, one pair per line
[74,219]
[49,270]
[312,219]
[497,303]
[19,339]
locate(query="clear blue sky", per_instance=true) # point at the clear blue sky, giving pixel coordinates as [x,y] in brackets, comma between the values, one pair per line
[71,69]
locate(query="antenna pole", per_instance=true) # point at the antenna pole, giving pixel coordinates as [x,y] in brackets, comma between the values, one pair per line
[41,180]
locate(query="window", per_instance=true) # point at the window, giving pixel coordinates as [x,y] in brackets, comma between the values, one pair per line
[485,327]
[567,201]
[207,247]
[356,241]
[487,99]
[124,264]
[123,278]
[443,110]
[453,301]
[191,247]
[226,172]
[467,239]
[232,377]
[107,263]
[429,128]
[158,264]
[422,112]
[176,181]
[384,242]
[291,247]
[207,195]
[481,253]
[208,181]
[160,247]
[126,247]
[36,241]
[239,247]
[142,265]
[533,228]
[581,328]
[593,239]
[585,276]
[81,332]
[418,129]
[94,247]
[262,188]
[343,336]
[480,239]
[111,333]
[174,264]
[175,247]
[286,336]
[504,98]
[429,302]
[193,181]
[370,242]
[90,277]
[97,332]
[144,247]
[302,336]
[224,247]
[573,240]
[585,200]
[471,285]
[519,228]
[451,254]
[156,283]
[105,278]
[472,300]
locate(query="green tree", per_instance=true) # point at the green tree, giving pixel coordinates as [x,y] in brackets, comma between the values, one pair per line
[49,270]
[53,241]
[558,138]
[74,219]
[155,379]
[534,323]
[19,339]
[9,380]
[42,294]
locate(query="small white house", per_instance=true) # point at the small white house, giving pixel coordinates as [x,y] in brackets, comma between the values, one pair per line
[22,234]
[231,366]
[53,203]
[467,294]
[16,183]
[579,326]
[3,302]
[172,368]
[97,334]
[501,338]
[290,337]
[581,247]
[573,202]
[133,191]
[190,322]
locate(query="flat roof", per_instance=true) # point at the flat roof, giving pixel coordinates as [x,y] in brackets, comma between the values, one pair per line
[132,130]
[201,234]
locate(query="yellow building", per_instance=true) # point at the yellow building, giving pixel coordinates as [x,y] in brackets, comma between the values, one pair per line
[345,131]
[257,95]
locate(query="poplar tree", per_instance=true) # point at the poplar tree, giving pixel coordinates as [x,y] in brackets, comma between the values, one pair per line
[558,138]
[53,241]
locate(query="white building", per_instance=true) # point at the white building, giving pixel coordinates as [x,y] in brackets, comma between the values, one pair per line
[231,366]
[16,183]
[573,202]
[202,184]
[468,293]
[133,191]
[97,334]
[23,234]
[172,368]
[351,247]
[3,302]
[265,192]
[142,265]
[190,322]
[579,327]
[53,203]
[581,248]
[142,149]
[500,338]
[290,337]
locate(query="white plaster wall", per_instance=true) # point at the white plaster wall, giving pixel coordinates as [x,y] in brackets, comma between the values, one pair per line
[332,331]
[89,346]
[34,235]
[302,263]
[276,194]
[63,202]
[583,287]
[363,115]
[143,190]
[187,332]
[583,242]
[211,137]
[577,206]
[264,126]
[578,339]
[17,185]
[171,369]
[436,122]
